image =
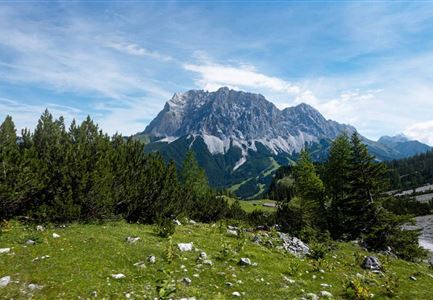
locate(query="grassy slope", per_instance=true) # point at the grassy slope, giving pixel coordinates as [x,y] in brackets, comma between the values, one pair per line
[85,256]
[251,205]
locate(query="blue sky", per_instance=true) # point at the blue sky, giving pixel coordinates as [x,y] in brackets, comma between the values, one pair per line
[369,64]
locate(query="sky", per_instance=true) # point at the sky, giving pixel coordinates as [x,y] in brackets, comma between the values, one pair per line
[368,64]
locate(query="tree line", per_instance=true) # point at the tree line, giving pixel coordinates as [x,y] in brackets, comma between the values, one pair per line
[344,197]
[59,174]
[411,172]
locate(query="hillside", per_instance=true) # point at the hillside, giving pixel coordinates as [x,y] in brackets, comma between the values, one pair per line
[241,138]
[80,264]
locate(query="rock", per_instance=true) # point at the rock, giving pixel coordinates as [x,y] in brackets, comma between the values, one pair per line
[5,250]
[236,294]
[118,276]
[177,222]
[196,275]
[33,287]
[257,239]
[244,261]
[186,281]
[40,228]
[289,280]
[56,236]
[232,232]
[202,255]
[140,264]
[229,284]
[294,245]
[151,259]
[207,262]
[132,239]
[4,281]
[230,227]
[192,222]
[185,246]
[311,296]
[30,242]
[325,294]
[94,294]
[413,278]
[371,263]
[325,285]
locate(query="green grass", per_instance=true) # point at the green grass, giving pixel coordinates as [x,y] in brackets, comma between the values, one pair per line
[251,205]
[84,257]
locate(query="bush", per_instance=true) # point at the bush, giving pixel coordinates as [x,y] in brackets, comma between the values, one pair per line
[165,227]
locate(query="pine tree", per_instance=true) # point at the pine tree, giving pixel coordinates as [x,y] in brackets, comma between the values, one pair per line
[9,169]
[310,188]
[337,181]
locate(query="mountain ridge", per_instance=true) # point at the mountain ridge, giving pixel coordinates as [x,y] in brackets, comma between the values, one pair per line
[241,138]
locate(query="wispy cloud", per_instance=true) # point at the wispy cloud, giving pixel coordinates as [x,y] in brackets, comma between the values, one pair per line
[134,49]
[422,131]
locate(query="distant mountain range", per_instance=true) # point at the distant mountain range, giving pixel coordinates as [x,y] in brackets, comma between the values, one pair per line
[241,138]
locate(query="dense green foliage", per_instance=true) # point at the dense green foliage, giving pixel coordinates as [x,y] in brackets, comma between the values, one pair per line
[80,174]
[411,172]
[348,199]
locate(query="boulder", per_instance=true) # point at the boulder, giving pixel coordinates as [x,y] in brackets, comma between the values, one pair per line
[244,261]
[151,259]
[118,276]
[294,245]
[371,263]
[132,239]
[4,281]
[5,250]
[185,246]
[232,232]
[325,294]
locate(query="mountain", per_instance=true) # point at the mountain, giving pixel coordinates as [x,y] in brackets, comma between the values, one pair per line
[403,145]
[241,138]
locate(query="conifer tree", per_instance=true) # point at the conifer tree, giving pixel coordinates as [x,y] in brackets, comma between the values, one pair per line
[309,187]
[9,169]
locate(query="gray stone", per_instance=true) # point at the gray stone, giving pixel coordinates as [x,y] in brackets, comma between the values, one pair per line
[132,239]
[177,222]
[202,255]
[311,296]
[5,250]
[55,235]
[30,242]
[245,261]
[186,281]
[236,294]
[4,281]
[207,262]
[118,276]
[151,259]
[371,263]
[185,246]
[33,287]
[40,228]
[294,245]
[325,294]
[413,278]
[232,232]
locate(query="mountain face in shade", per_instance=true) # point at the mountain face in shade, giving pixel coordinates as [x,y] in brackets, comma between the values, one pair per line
[403,145]
[241,138]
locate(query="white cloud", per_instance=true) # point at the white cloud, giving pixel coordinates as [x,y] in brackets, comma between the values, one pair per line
[213,76]
[422,131]
[134,49]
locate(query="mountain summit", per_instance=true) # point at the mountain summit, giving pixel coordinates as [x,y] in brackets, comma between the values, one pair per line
[228,118]
[241,138]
